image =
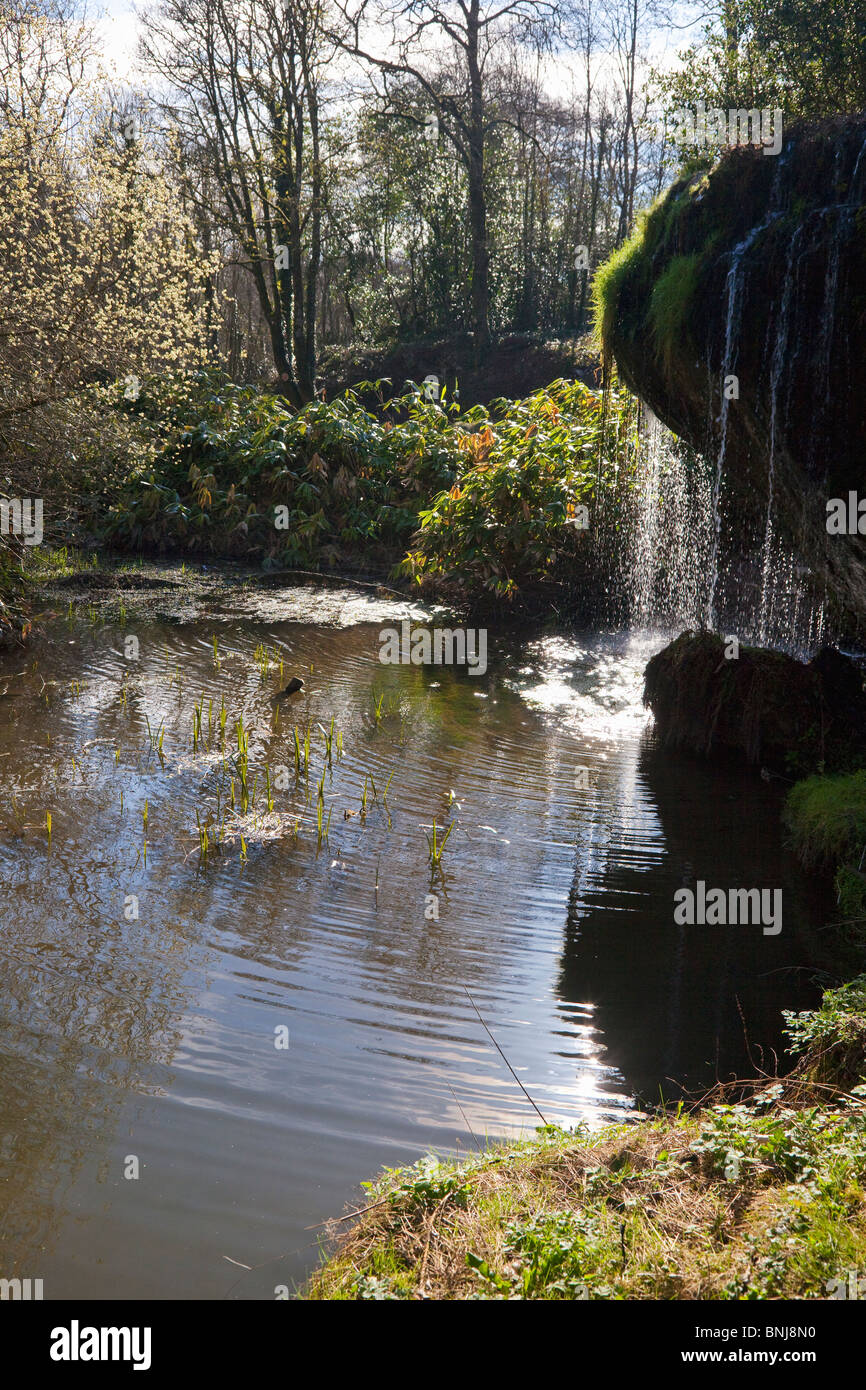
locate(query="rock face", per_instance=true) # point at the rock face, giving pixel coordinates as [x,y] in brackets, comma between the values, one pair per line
[755,269]
[761,707]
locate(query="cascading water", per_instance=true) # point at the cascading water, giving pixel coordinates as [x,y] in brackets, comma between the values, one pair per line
[778,360]
[786,611]
[734,284]
[669,566]
[734,287]
[789,615]
[763,375]
[672,533]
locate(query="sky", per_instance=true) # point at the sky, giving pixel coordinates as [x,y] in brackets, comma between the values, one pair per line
[119,29]
[119,37]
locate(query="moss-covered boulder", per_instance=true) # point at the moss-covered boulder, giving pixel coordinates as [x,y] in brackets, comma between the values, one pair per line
[754,267]
[758,706]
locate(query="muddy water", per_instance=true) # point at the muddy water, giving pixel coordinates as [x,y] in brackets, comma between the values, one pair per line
[146,996]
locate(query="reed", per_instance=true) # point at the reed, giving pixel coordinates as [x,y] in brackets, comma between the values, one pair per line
[242,763]
[328,736]
[436,846]
[223,715]
[197,733]
[262,660]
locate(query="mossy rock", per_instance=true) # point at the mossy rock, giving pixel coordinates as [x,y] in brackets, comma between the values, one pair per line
[741,255]
[760,707]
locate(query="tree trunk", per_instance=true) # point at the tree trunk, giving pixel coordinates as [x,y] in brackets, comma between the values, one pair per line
[477,199]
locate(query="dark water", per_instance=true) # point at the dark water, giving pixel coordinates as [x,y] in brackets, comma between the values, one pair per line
[153,1039]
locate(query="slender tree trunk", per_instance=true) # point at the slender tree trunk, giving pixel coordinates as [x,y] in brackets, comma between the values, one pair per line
[592,219]
[628,126]
[307,369]
[477,199]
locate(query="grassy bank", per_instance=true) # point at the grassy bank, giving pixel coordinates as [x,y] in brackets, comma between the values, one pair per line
[758,1199]
[826,820]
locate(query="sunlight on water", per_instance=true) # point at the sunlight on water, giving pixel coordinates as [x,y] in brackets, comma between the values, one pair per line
[151,1032]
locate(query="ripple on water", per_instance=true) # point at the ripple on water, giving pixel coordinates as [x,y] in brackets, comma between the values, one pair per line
[143,997]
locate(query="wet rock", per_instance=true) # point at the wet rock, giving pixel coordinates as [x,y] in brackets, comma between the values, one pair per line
[762,707]
[753,272]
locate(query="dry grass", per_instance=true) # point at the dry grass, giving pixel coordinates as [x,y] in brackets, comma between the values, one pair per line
[650,1210]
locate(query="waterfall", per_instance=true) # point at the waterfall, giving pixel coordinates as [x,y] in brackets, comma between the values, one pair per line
[714,548]
[671,531]
[668,568]
[734,287]
[778,362]
[734,283]
[791,615]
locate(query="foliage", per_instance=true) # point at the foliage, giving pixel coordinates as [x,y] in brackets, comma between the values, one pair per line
[850,885]
[627,277]
[670,303]
[233,455]
[826,817]
[840,1018]
[746,1201]
[100,275]
[765,1198]
[519,509]
[805,59]
[427,1182]
[505,485]
[608,282]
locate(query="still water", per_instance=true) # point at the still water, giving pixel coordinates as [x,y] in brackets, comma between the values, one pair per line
[146,998]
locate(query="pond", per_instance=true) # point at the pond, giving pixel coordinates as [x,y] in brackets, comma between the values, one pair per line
[205,1052]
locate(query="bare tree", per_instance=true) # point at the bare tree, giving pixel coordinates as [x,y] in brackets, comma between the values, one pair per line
[430,42]
[246,83]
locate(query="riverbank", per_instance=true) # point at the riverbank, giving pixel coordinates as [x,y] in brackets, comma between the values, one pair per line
[760,1197]
[518,508]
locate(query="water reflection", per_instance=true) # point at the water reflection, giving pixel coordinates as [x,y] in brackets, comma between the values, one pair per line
[685,1006]
[142,994]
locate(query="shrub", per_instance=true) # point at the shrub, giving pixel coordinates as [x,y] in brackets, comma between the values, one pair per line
[496,492]
[513,515]
[232,455]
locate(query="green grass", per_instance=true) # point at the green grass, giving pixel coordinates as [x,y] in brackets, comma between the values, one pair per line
[608,282]
[761,1199]
[650,285]
[740,1202]
[826,817]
